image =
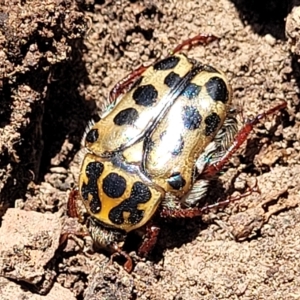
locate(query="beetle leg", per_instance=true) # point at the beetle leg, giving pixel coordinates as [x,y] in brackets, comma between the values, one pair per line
[73,212]
[198,39]
[124,84]
[65,235]
[128,266]
[71,204]
[193,212]
[242,135]
[150,239]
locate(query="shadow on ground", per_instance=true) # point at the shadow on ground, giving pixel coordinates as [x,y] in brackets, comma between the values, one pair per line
[265,17]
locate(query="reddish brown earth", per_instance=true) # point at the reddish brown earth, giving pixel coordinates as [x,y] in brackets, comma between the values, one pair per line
[58,61]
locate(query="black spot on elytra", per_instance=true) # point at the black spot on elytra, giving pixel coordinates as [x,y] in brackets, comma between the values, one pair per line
[212,122]
[114,185]
[172,79]
[179,147]
[167,63]
[176,181]
[145,95]
[191,117]
[126,117]
[191,91]
[140,193]
[93,171]
[92,136]
[216,89]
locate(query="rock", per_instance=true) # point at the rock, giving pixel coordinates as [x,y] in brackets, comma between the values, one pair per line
[28,241]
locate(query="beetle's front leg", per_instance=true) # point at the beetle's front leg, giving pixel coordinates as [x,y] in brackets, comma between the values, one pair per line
[128,265]
[149,239]
[72,208]
[73,212]
[110,240]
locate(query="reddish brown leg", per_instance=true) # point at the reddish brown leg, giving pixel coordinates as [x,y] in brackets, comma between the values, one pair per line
[198,39]
[73,213]
[71,205]
[122,85]
[64,236]
[128,266]
[199,211]
[150,239]
[242,135]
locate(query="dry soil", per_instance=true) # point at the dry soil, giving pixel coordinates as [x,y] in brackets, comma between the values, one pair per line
[58,61]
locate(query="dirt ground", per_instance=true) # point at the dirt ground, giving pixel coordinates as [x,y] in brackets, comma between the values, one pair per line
[58,61]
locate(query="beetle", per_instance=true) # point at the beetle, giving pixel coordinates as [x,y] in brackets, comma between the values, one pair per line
[167,130]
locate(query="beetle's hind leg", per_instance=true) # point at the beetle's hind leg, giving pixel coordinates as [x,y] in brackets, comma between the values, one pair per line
[196,40]
[240,137]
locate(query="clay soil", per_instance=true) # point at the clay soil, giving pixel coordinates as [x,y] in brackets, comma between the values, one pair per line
[58,61]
